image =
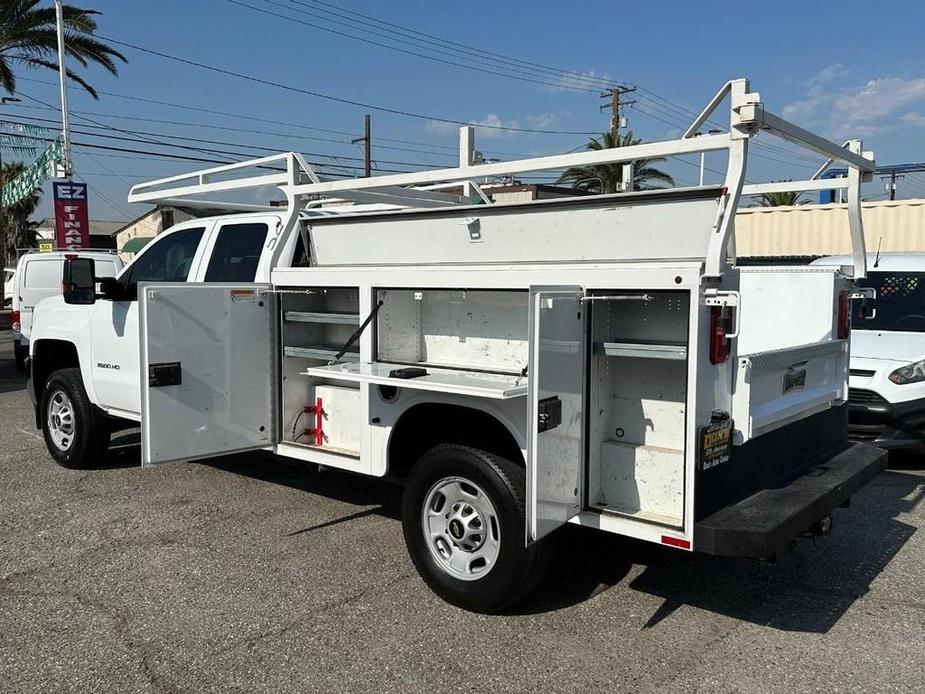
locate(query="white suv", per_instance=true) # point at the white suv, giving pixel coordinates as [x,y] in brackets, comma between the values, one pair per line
[886,387]
[37,276]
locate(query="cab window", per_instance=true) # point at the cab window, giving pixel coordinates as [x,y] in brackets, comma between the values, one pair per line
[168,259]
[237,253]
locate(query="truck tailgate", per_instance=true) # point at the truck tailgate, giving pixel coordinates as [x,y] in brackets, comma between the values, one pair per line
[778,386]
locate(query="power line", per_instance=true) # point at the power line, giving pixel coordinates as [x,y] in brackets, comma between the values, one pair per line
[106,198]
[414,34]
[257,148]
[472,58]
[257,119]
[338,99]
[589,82]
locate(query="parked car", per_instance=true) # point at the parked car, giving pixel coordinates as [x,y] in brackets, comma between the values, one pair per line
[886,391]
[8,274]
[37,276]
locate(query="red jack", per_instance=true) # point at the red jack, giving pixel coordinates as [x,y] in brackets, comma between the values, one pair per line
[318,430]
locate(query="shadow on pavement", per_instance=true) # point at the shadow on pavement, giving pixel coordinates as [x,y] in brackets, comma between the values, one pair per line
[811,588]
[11,379]
[807,591]
[383,495]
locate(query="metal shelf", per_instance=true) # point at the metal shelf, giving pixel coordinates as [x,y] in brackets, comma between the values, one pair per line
[676,352]
[494,386]
[330,318]
[322,352]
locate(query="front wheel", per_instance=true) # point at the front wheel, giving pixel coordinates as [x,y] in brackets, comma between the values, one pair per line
[75,434]
[463,521]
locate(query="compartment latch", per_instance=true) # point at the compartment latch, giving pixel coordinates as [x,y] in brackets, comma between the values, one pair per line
[549,413]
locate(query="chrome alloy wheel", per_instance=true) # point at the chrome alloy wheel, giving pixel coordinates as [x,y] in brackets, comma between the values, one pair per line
[61,420]
[461,528]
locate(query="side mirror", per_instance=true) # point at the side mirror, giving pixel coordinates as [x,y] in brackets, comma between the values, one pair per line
[78,282]
[866,309]
[112,289]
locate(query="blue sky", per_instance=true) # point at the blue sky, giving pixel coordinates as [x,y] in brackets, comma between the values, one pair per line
[852,71]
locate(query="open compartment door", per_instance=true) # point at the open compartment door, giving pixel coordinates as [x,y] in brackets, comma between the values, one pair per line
[207,370]
[555,425]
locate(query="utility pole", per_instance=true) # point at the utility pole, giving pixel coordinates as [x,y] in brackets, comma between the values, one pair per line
[891,186]
[367,148]
[613,96]
[67,165]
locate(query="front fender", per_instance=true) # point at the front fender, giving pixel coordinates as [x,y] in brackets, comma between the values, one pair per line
[72,323]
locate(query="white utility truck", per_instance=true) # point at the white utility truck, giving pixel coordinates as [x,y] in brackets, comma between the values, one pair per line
[597,360]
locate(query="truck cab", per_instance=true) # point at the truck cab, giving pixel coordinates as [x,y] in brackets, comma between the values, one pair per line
[886,393]
[100,340]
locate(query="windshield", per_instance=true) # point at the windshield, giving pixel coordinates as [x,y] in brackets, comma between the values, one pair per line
[900,302]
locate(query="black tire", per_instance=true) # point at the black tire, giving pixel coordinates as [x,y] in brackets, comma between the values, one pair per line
[88,441]
[515,570]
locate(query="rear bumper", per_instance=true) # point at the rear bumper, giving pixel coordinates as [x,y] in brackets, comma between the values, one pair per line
[763,523]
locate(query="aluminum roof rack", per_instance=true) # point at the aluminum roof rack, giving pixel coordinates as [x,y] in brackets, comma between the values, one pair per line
[291,173]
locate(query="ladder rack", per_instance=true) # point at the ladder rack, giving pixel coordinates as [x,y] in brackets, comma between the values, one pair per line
[291,173]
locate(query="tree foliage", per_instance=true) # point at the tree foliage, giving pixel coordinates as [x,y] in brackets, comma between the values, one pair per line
[608,178]
[16,229]
[783,199]
[29,39]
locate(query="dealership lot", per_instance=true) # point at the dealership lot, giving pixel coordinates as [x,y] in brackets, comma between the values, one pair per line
[252,575]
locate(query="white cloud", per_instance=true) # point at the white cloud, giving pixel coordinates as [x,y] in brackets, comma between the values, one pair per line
[824,77]
[542,120]
[844,110]
[496,126]
[588,80]
[911,118]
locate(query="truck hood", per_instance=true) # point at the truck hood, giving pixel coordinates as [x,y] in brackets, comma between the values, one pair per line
[887,345]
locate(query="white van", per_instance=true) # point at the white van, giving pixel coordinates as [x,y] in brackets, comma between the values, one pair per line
[886,394]
[38,275]
[8,274]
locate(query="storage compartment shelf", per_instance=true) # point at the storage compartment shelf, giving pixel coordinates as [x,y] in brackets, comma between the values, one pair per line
[327,317]
[666,350]
[484,385]
[320,352]
[647,516]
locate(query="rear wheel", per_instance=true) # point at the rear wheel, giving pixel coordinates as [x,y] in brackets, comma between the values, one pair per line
[75,434]
[463,521]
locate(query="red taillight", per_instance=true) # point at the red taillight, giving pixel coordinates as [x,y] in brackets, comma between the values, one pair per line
[720,326]
[15,323]
[844,316]
[71,256]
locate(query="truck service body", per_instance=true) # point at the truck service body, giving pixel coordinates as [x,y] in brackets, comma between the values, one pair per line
[597,360]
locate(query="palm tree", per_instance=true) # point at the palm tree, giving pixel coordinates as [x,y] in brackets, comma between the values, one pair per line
[16,229]
[28,38]
[783,199]
[607,178]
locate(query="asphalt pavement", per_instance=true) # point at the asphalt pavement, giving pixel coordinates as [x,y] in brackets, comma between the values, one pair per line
[253,575]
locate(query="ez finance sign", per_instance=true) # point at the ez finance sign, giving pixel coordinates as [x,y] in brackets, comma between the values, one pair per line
[72,221]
